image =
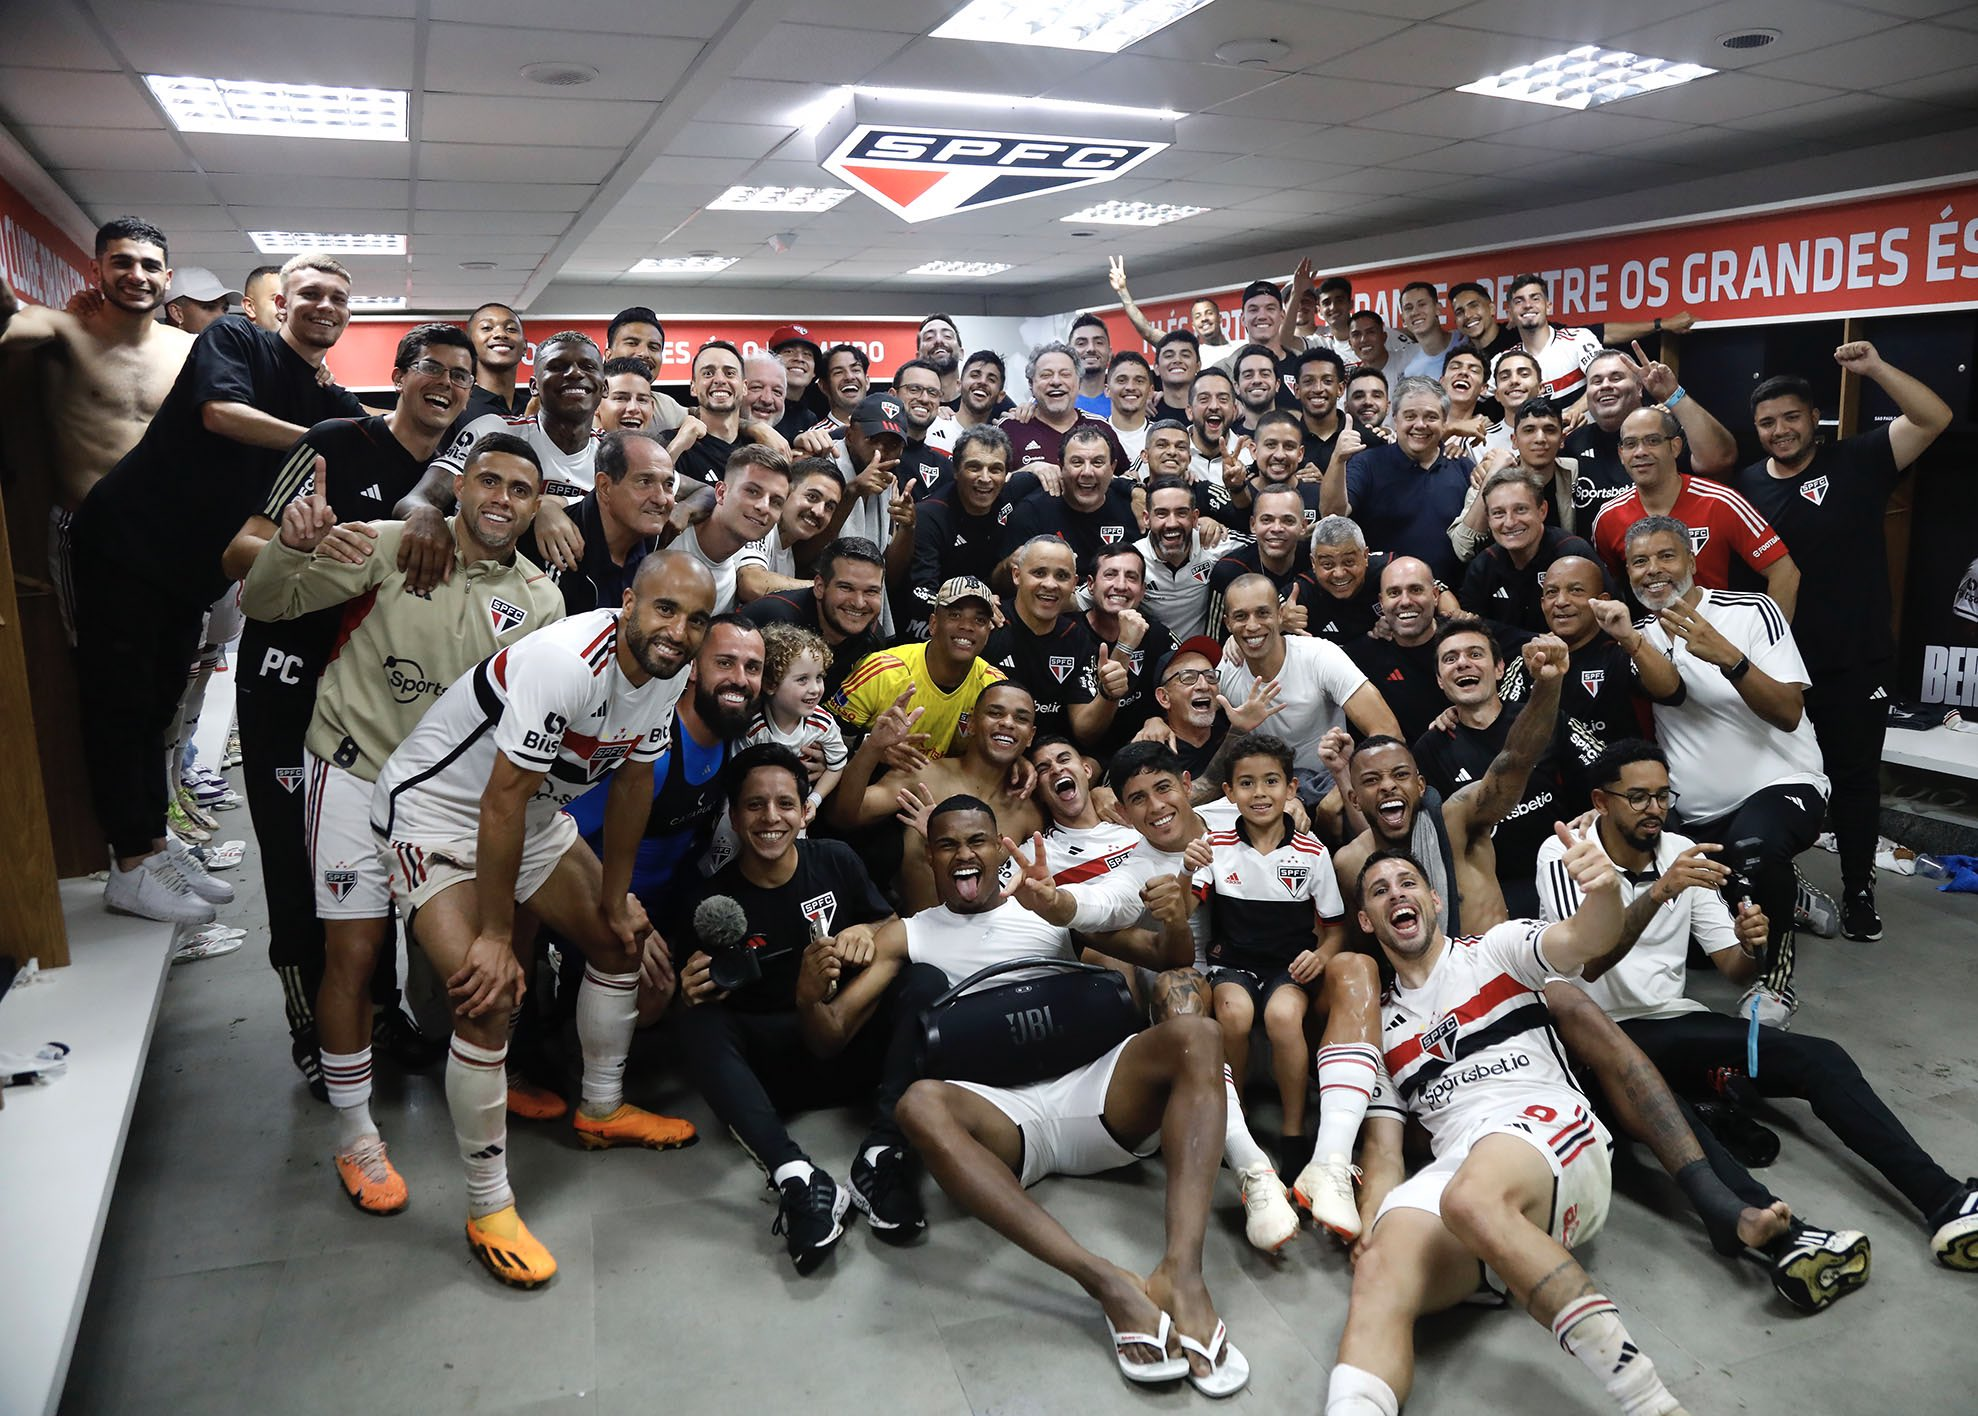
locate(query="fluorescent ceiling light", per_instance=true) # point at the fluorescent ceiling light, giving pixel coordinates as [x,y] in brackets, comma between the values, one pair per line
[779,198]
[1134,213]
[368,243]
[1102,26]
[198,105]
[682,265]
[377,302]
[964,269]
[1586,77]
[816,115]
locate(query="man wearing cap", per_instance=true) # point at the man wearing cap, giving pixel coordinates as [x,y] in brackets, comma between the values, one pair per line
[869,457]
[804,405]
[940,678]
[196,298]
[1186,695]
[939,342]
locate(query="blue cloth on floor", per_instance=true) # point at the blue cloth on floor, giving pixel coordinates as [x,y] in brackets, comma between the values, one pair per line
[1963,877]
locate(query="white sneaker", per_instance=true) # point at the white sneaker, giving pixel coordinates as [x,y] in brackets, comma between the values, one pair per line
[155,890]
[214,892]
[1269,1221]
[1325,1186]
[1775,1006]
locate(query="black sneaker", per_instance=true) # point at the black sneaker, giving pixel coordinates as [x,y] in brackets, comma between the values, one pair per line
[811,1218]
[303,1048]
[399,1038]
[886,1195]
[1954,1231]
[1858,917]
[1811,1267]
[1754,1146]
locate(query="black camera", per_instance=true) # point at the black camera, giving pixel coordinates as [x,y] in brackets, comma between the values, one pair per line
[735,966]
[1743,861]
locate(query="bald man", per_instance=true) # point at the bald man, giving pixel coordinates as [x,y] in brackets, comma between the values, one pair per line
[1397,656]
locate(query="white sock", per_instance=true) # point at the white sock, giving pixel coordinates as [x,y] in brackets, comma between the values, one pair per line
[477,1096]
[1590,1328]
[1354,1392]
[1240,1148]
[347,1075]
[792,1170]
[607,1014]
[1346,1083]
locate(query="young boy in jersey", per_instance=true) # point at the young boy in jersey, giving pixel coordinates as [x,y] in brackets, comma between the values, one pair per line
[1276,927]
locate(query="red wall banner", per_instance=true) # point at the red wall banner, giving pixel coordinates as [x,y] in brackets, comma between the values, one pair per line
[41,263]
[363,357]
[1912,251]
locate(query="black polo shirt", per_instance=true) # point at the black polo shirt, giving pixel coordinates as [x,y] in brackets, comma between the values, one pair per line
[1451,760]
[799,607]
[1248,559]
[1405,678]
[1343,620]
[1059,667]
[1112,523]
[598,581]
[1496,590]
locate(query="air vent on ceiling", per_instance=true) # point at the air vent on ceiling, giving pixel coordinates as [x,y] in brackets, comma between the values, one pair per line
[1748,39]
[556,74]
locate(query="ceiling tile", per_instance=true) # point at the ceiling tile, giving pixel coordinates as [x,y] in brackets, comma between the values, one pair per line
[961,66]
[353,193]
[1454,115]
[1719,98]
[134,149]
[1887,56]
[290,217]
[1571,22]
[225,152]
[54,36]
[1857,117]
[488,59]
[512,223]
[1276,171]
[1162,83]
[549,122]
[1595,129]
[1953,89]
[1802,25]
[1359,147]
[68,98]
[194,227]
[89,185]
[1310,98]
[1221,132]
[669,168]
[226,41]
[726,140]
[819,53]
[502,196]
[490,162]
[469,247]
[1484,157]
[702,20]
[1313,32]
[1436,56]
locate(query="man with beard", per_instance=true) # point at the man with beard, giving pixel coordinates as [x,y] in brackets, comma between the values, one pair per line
[499,345]
[78,393]
[1120,623]
[1053,376]
[917,385]
[1279,450]
[1602,699]
[1177,360]
[1616,385]
[1254,370]
[1725,529]
[1348,577]
[471,817]
[765,388]
[1214,449]
[804,401]
[847,379]
[1178,561]
[149,537]
[770,564]
[1404,494]
[1205,318]
[1186,690]
[1470,670]
[1675,903]
[1503,581]
[1452,836]
[1398,660]
[1521,1169]
[360,468]
[1474,310]
[1730,711]
[709,724]
[1303,686]
[1277,551]
[1092,345]
[942,676]
[984,1144]
[746,507]
[938,343]
[1129,386]
[999,733]
[726,423]
[982,400]
[959,526]
[841,604]
[1843,619]
[1093,512]
[394,659]
[1367,400]
[1042,642]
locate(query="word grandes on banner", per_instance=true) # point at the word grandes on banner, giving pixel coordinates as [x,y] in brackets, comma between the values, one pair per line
[1910,251]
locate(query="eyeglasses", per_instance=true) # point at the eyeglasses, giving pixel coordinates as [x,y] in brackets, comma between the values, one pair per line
[1648,440]
[434,369]
[1188,678]
[1641,797]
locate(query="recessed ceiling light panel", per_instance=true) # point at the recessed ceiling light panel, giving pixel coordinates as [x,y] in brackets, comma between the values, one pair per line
[377,302]
[363,243]
[243,106]
[1586,78]
[682,265]
[779,198]
[966,270]
[1134,213]
[1101,26]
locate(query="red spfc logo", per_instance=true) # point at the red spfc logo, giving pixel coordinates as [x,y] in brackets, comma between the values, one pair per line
[922,172]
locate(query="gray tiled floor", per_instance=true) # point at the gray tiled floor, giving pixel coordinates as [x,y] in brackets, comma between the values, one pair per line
[234,1277]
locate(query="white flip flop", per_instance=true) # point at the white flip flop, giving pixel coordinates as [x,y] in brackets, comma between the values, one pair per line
[224,856]
[1225,1380]
[1168,1369]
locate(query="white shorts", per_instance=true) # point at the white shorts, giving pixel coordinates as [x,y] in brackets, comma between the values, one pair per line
[419,872]
[223,618]
[344,862]
[1062,1121]
[1576,1149]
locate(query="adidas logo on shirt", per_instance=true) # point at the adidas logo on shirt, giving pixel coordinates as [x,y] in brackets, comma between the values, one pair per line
[961,540]
[374,493]
[1396,676]
[1463,775]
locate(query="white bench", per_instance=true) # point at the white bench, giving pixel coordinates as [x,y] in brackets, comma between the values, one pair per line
[1934,750]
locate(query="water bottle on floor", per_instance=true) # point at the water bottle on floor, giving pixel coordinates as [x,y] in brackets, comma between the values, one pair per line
[1930,868]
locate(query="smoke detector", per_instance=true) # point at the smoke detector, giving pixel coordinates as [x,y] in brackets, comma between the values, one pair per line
[555,73]
[1252,53]
[1748,39]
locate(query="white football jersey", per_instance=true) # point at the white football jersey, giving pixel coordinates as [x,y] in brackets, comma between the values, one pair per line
[1080,853]
[555,702]
[568,476]
[1474,1046]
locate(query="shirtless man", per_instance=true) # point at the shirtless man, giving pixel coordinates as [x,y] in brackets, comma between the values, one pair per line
[76,392]
[999,731]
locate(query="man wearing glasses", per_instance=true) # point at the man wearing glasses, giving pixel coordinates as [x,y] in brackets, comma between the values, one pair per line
[1722,524]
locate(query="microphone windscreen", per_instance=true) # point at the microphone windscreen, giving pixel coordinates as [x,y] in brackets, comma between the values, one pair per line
[720,922]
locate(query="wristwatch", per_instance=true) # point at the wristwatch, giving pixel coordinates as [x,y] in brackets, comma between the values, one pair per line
[1737,670]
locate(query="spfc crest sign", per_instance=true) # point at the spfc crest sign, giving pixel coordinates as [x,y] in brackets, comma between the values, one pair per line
[922,172]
